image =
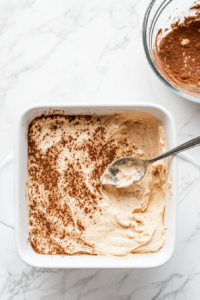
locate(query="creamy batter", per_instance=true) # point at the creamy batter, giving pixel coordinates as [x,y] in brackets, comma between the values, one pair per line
[70,211]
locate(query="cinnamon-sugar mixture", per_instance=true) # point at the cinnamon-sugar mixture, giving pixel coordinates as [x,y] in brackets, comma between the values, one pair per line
[177,50]
[69,211]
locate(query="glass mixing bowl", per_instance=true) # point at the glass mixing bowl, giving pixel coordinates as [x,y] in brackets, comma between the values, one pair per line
[161,14]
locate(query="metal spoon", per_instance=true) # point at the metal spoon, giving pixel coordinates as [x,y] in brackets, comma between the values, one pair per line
[128,170]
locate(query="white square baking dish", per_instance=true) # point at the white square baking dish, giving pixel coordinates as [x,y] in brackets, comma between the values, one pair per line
[86,261]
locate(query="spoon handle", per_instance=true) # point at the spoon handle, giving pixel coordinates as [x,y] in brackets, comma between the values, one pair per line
[193,143]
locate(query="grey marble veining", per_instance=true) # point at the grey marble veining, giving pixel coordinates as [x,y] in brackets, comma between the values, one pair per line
[90,51]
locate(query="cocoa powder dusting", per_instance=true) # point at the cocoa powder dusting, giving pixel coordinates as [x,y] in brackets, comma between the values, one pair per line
[178,51]
[52,189]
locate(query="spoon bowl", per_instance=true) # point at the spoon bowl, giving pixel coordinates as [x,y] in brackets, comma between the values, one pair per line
[125,171]
[128,170]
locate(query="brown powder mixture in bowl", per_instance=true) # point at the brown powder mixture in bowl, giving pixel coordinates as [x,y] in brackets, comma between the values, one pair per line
[177,51]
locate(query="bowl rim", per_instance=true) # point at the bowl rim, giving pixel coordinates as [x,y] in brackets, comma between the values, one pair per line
[149,59]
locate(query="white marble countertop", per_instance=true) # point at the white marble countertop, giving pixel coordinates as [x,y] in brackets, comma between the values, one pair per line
[78,51]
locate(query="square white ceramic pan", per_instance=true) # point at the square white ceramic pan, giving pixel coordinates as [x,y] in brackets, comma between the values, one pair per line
[21,213]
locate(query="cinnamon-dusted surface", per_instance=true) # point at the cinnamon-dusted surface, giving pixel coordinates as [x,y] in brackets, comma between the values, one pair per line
[69,211]
[177,51]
